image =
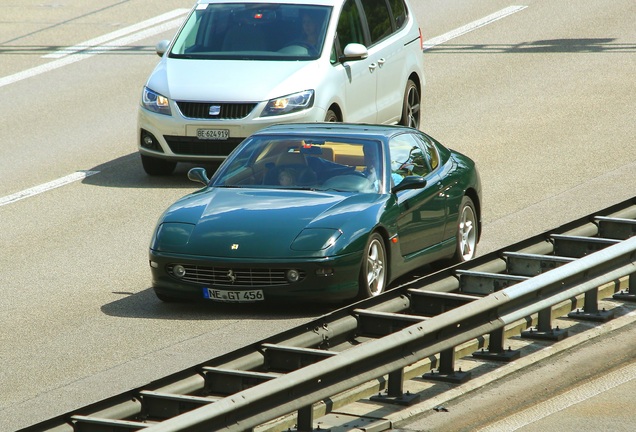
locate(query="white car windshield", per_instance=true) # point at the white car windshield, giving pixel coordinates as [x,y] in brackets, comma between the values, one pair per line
[290,162]
[249,31]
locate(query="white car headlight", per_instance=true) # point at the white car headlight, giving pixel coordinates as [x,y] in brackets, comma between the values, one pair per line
[288,104]
[155,102]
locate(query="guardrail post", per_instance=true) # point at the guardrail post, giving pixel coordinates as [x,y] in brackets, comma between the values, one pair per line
[395,391]
[496,349]
[446,371]
[590,311]
[630,294]
[544,329]
[305,419]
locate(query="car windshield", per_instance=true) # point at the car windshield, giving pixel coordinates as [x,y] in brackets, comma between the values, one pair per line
[290,162]
[250,31]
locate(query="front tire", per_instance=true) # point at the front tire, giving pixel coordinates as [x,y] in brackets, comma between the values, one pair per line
[467,231]
[411,106]
[331,117]
[373,271]
[156,166]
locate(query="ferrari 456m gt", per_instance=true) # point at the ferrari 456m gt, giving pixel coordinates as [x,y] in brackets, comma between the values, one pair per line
[317,212]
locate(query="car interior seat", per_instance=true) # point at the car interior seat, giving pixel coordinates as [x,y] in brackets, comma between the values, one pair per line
[293,164]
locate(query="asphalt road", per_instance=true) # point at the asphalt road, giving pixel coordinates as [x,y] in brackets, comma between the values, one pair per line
[542,98]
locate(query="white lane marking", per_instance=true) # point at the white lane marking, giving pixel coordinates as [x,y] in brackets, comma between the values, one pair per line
[563,401]
[79,175]
[177,13]
[92,47]
[472,26]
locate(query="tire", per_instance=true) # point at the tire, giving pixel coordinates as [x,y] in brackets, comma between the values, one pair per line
[467,231]
[411,106]
[331,117]
[157,167]
[373,270]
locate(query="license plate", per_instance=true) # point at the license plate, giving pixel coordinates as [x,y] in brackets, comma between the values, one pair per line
[213,134]
[247,296]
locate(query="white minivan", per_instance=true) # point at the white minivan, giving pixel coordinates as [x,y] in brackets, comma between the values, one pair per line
[237,66]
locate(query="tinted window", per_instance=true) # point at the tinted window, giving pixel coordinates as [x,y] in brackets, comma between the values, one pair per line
[399,13]
[349,25]
[409,156]
[430,148]
[378,18]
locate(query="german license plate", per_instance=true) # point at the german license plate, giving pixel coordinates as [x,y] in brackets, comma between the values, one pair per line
[247,296]
[213,134]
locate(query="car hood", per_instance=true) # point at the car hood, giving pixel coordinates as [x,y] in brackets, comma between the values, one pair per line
[231,80]
[255,223]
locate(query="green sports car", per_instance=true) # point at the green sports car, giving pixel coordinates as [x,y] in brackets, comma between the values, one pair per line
[317,212]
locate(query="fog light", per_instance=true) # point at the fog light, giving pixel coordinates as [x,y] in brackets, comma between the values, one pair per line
[149,141]
[178,271]
[293,275]
[154,264]
[327,271]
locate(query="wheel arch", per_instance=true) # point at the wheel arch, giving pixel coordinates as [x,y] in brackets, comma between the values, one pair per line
[336,109]
[472,194]
[384,233]
[418,82]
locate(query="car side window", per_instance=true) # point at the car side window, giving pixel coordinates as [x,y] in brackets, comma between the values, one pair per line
[431,149]
[399,13]
[409,156]
[378,18]
[350,25]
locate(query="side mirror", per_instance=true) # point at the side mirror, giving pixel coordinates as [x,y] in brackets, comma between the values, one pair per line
[199,175]
[409,182]
[162,47]
[354,51]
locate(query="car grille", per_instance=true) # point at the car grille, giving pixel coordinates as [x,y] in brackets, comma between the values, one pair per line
[197,147]
[228,111]
[238,277]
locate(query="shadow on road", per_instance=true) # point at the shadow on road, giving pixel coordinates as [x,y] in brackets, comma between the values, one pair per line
[127,172]
[146,305]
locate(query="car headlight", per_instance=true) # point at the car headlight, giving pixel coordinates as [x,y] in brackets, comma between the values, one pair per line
[289,104]
[155,102]
[315,239]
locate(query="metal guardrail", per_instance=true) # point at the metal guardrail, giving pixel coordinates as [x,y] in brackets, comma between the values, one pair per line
[380,337]
[299,389]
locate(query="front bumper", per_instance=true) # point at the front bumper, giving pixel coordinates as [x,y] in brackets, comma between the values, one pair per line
[340,284]
[175,137]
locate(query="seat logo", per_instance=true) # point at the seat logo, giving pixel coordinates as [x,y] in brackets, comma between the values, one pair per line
[214,110]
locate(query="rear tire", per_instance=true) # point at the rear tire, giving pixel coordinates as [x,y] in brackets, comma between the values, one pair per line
[156,166]
[467,231]
[373,271]
[411,106]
